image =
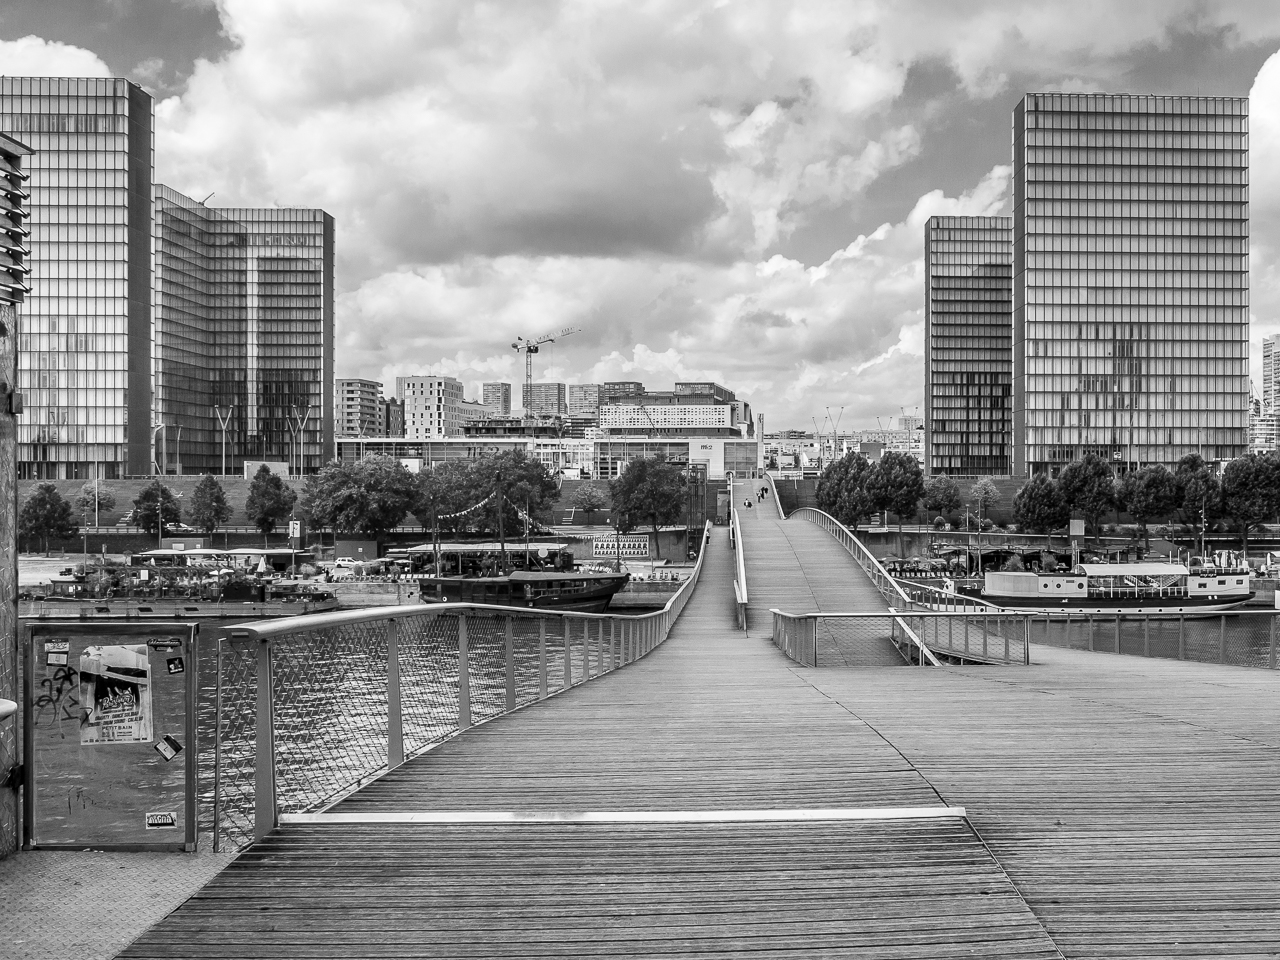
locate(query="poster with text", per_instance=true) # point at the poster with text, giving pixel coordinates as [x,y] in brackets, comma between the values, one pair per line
[115,694]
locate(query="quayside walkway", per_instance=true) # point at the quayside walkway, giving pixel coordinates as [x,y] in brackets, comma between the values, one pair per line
[633,833]
[797,566]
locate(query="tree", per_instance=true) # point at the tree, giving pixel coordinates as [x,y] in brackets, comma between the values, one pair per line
[444,494]
[270,500]
[155,506]
[896,484]
[91,499]
[45,515]
[371,497]
[1088,487]
[984,495]
[589,498]
[1147,494]
[843,489]
[1198,496]
[941,496]
[1251,492]
[209,508]
[649,489]
[1039,506]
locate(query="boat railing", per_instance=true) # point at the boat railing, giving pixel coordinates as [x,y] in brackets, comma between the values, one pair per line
[740,577]
[310,708]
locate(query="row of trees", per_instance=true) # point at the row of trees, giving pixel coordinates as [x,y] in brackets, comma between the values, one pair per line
[1247,494]
[47,515]
[372,497]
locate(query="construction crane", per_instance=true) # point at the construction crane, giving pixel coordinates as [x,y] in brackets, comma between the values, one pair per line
[530,347]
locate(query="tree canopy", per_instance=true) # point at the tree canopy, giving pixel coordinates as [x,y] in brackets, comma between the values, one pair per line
[270,500]
[650,490]
[93,500]
[1088,486]
[370,497]
[843,489]
[46,515]
[1251,491]
[1198,493]
[1147,494]
[984,495]
[590,499]
[1039,507]
[209,507]
[154,506]
[941,496]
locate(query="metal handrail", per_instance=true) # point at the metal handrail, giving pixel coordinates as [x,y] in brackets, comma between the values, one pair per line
[885,583]
[608,641]
[796,634]
[773,489]
[739,584]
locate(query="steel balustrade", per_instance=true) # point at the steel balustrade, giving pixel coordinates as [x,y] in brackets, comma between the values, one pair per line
[739,584]
[311,708]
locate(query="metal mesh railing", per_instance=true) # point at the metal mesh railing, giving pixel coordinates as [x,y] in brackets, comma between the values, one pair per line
[895,639]
[334,700]
[1243,638]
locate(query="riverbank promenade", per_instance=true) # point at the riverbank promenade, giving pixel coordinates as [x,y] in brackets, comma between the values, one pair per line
[715,799]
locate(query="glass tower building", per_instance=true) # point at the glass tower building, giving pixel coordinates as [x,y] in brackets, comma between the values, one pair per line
[968,339]
[85,349]
[243,336]
[1130,279]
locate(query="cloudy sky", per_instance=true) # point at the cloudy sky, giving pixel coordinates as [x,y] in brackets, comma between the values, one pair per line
[723,190]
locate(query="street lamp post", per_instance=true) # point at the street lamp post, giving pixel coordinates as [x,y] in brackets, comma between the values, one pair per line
[300,419]
[223,423]
[161,452]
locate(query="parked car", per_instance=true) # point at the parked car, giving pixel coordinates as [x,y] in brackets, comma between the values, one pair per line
[178,528]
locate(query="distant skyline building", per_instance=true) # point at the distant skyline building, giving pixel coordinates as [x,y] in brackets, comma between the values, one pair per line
[583,400]
[391,417]
[243,332]
[968,342]
[1131,279]
[1270,371]
[497,395]
[612,391]
[85,363]
[548,400]
[432,406]
[357,408]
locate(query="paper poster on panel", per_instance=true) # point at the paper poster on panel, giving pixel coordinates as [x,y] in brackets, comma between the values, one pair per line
[115,694]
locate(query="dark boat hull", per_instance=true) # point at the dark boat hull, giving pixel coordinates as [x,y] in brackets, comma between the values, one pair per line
[1114,605]
[578,595]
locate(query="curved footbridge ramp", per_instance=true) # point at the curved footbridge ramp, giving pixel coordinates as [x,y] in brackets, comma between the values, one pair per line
[798,567]
[706,801]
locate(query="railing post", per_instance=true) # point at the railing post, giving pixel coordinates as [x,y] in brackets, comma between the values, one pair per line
[464,676]
[613,645]
[1222,639]
[599,647]
[586,650]
[542,658]
[568,656]
[395,722]
[264,767]
[986,629]
[1146,635]
[1026,640]
[1182,637]
[1117,633]
[1004,632]
[1271,650]
[509,655]
[1091,633]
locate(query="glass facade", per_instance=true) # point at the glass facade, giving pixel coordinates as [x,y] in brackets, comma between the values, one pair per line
[1131,279]
[968,337]
[243,336]
[85,349]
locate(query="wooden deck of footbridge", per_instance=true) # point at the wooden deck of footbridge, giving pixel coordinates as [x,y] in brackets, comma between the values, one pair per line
[1114,808]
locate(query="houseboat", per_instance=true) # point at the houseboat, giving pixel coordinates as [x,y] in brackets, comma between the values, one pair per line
[1204,586]
[539,575]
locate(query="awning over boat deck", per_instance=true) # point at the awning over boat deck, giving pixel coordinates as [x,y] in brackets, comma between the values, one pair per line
[1132,569]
